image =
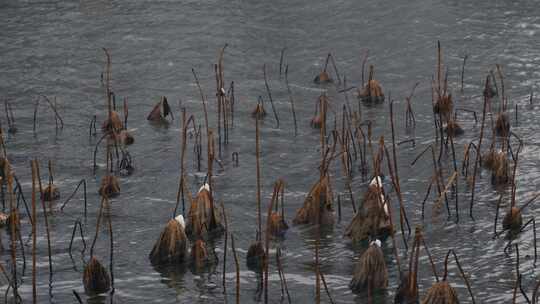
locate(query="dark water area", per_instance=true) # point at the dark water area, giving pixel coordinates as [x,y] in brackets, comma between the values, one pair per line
[54,48]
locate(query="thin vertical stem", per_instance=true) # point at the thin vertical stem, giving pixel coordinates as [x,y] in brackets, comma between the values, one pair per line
[282,53]
[280,268]
[35,114]
[46,219]
[237,270]
[126,112]
[107,82]
[291,100]
[111,252]
[364,60]
[439,68]
[455,169]
[326,288]
[463,71]
[51,181]
[203,100]
[390,217]
[266,257]
[335,68]
[477,159]
[14,222]
[257,156]
[503,97]
[317,272]
[34,232]
[270,96]
[219,95]
[402,213]
[98,223]
[225,246]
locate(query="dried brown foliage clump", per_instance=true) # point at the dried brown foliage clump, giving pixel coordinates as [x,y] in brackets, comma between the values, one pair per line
[513,219]
[407,292]
[171,246]
[488,159]
[255,256]
[441,293]
[453,128]
[203,217]
[113,123]
[316,121]
[199,254]
[96,278]
[404,294]
[500,170]
[318,203]
[323,78]
[3,219]
[50,193]
[123,137]
[444,105]
[3,162]
[277,225]
[160,111]
[371,92]
[371,220]
[492,159]
[371,89]
[370,271]
[498,163]
[109,186]
[8,219]
[502,124]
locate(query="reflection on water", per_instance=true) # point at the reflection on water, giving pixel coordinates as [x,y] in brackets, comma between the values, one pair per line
[172,276]
[99,299]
